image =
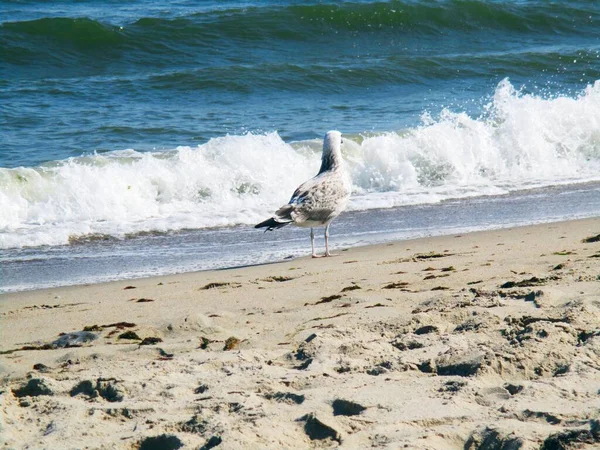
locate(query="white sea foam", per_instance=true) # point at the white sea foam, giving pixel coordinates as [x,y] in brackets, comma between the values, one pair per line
[521,141]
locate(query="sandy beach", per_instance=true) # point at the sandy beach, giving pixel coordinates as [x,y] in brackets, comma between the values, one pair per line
[488,340]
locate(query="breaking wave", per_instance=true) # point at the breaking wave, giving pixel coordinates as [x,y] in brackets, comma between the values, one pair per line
[522,141]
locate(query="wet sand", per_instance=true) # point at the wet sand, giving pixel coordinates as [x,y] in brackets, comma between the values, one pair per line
[473,341]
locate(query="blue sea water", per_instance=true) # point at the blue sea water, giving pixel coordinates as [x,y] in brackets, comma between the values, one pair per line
[131,130]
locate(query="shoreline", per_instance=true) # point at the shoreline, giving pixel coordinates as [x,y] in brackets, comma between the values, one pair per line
[191,251]
[438,342]
[338,252]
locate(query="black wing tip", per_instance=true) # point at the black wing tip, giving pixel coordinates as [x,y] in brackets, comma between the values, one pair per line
[271,224]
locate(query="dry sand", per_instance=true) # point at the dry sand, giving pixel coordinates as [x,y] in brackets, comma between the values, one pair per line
[418,344]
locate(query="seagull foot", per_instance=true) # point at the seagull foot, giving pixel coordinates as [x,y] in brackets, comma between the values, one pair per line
[314,255]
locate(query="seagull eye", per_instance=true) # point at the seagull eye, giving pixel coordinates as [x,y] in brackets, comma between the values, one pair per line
[342,141]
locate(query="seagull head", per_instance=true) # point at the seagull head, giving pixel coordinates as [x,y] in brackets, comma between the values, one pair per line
[332,151]
[332,142]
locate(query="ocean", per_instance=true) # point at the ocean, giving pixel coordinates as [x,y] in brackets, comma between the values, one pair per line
[146,138]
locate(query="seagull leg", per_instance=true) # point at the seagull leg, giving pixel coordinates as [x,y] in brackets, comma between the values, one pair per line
[327,241]
[312,242]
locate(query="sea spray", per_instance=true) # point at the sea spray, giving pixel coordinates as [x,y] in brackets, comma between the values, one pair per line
[521,141]
[226,181]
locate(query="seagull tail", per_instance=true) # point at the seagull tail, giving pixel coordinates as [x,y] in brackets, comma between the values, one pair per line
[271,224]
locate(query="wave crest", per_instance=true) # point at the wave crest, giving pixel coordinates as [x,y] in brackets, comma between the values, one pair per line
[80,32]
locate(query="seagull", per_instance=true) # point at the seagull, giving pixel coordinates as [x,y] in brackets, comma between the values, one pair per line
[319,200]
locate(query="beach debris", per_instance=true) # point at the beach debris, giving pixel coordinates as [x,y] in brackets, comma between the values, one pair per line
[328,299]
[376,305]
[440,288]
[161,442]
[286,397]
[426,329]
[106,388]
[41,368]
[151,340]
[201,389]
[590,239]
[215,285]
[74,339]
[513,389]
[63,305]
[213,442]
[129,287]
[401,284]
[431,255]
[346,408]
[144,300]
[204,341]
[408,345]
[316,429]
[430,277]
[354,287]
[584,335]
[419,257]
[304,365]
[305,352]
[50,428]
[490,438]
[311,337]
[231,343]
[533,281]
[326,318]
[277,278]
[33,388]
[164,355]
[129,335]
[119,325]
[533,296]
